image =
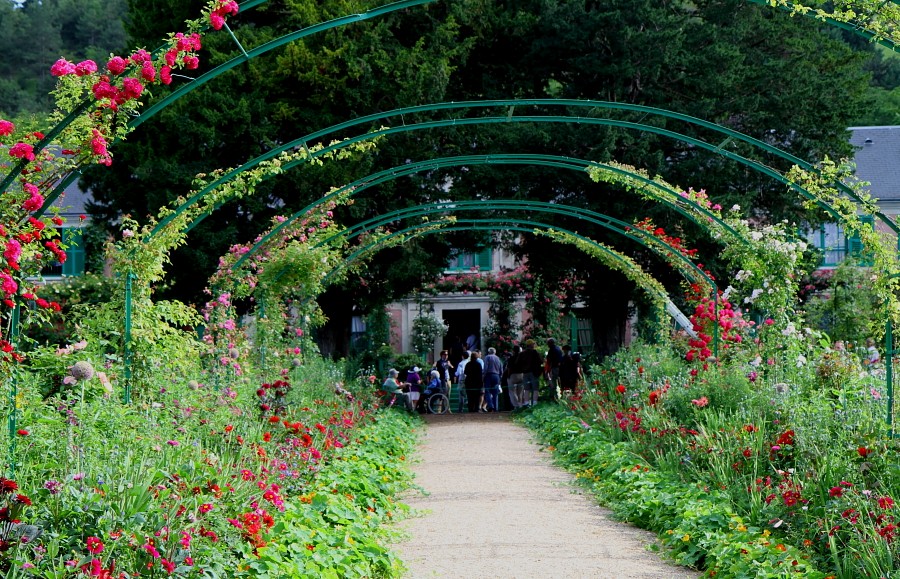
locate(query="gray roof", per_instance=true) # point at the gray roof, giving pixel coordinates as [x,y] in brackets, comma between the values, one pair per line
[878,159]
[72,202]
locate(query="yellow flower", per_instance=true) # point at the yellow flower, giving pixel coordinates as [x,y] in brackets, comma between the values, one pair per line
[741,528]
[766,533]
[686,537]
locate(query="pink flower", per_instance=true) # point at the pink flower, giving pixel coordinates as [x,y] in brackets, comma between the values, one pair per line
[165,75]
[98,144]
[172,442]
[700,402]
[132,87]
[148,73]
[103,90]
[191,62]
[216,20]
[6,128]
[35,202]
[116,65]
[141,56]
[22,151]
[94,545]
[8,285]
[13,250]
[62,67]
[85,68]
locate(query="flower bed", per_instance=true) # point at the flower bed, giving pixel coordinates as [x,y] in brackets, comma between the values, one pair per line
[204,482]
[744,471]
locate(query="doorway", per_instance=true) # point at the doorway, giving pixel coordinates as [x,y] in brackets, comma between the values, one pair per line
[463,324]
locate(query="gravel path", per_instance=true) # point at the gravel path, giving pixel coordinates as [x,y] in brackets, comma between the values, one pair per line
[498,508]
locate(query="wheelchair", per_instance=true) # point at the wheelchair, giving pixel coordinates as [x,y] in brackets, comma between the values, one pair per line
[437,402]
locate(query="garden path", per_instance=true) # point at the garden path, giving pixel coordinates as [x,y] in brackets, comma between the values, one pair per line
[497,508]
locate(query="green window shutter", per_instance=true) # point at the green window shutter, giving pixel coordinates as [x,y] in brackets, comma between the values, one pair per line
[74,238]
[855,246]
[484,259]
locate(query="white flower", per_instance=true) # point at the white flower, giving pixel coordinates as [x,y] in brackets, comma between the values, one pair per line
[755,362]
[735,207]
[801,361]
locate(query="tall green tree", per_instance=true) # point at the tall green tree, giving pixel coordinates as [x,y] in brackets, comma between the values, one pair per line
[750,68]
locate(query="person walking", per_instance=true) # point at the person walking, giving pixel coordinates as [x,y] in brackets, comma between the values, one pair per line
[444,368]
[415,385]
[514,378]
[532,365]
[553,361]
[493,369]
[474,382]
[569,370]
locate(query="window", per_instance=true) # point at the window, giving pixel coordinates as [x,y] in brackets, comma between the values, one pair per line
[832,241]
[464,262]
[74,265]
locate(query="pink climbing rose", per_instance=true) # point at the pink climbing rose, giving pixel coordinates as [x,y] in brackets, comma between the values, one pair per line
[62,67]
[22,151]
[132,87]
[85,68]
[116,65]
[6,128]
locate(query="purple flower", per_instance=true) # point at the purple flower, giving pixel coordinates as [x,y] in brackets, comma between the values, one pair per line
[54,486]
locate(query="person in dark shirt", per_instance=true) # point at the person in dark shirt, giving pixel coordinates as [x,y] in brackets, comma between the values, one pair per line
[532,365]
[474,382]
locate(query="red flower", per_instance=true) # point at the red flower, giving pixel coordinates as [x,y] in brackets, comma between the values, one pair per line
[886,503]
[654,397]
[94,545]
[116,65]
[835,492]
[22,432]
[863,451]
[620,389]
[787,437]
[22,151]
[267,436]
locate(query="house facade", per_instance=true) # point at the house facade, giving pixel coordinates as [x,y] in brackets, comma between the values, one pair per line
[465,314]
[877,161]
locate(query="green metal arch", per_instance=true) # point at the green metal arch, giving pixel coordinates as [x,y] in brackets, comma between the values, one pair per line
[245,56]
[476,224]
[754,165]
[547,160]
[688,268]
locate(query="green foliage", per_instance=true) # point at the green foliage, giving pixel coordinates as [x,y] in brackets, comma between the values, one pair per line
[695,523]
[845,309]
[426,328]
[73,294]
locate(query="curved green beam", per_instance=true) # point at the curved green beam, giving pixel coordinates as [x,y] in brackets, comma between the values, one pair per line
[754,165]
[545,160]
[654,244]
[79,109]
[378,11]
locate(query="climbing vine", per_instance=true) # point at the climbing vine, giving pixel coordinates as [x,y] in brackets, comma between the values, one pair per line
[879,245]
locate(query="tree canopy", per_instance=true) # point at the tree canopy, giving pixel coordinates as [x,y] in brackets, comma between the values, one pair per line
[786,81]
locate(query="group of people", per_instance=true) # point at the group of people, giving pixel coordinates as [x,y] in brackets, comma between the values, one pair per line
[481,379]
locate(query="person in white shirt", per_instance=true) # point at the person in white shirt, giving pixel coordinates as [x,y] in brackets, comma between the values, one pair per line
[461,381]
